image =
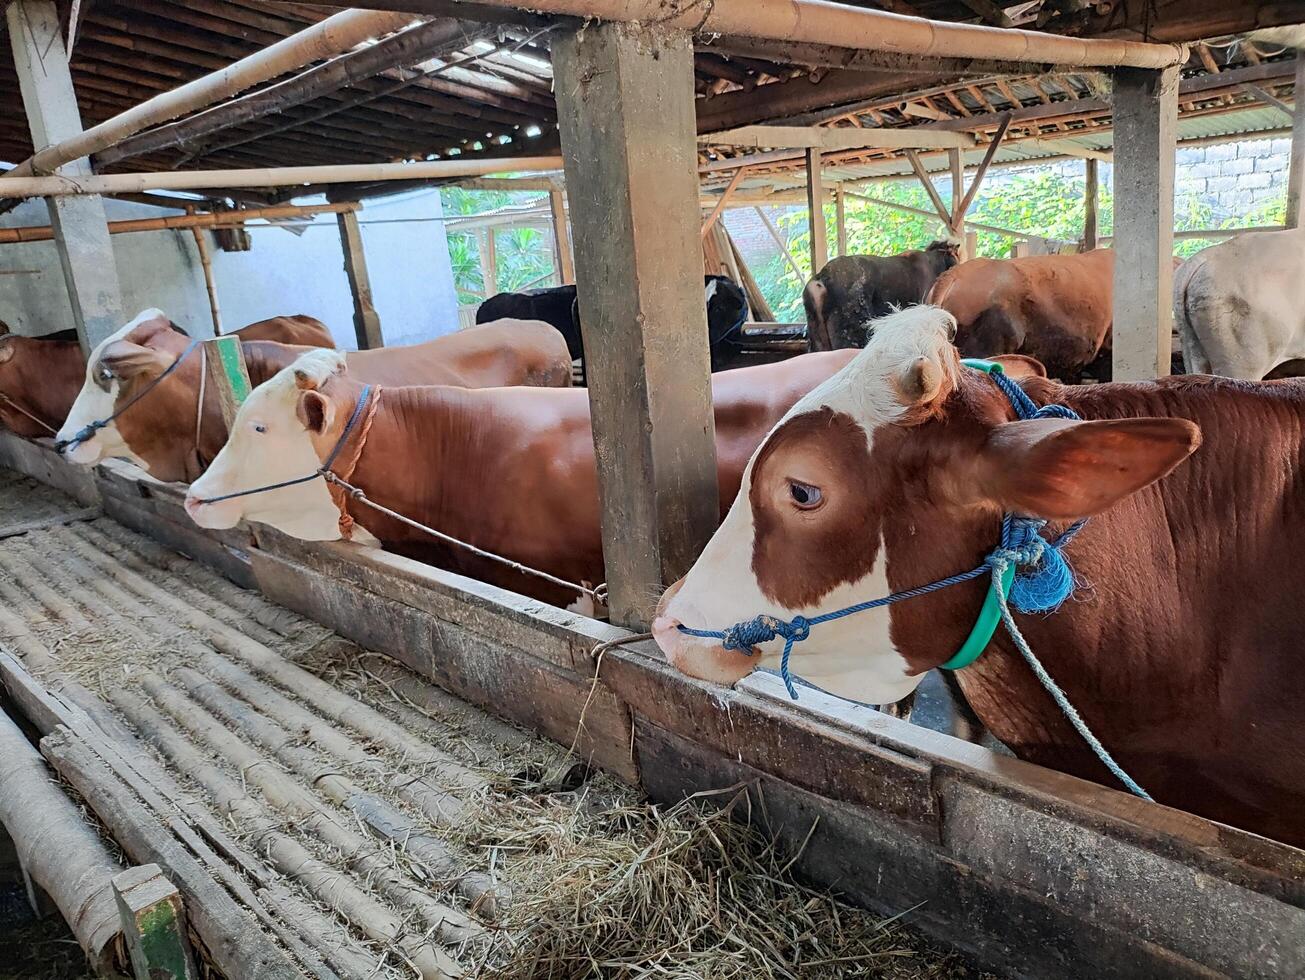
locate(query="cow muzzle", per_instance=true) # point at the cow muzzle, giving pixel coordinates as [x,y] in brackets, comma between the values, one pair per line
[216,516]
[695,657]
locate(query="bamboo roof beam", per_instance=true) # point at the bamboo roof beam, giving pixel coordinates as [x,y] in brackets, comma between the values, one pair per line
[756,137]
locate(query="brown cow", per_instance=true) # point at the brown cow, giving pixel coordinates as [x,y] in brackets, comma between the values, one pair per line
[1057,308]
[165,434]
[41,376]
[510,470]
[1181,650]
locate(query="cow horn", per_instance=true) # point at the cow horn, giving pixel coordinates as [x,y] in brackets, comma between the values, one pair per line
[304,381]
[920,381]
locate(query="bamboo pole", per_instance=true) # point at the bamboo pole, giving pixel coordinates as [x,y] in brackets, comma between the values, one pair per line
[815,22]
[562,254]
[779,240]
[213,219]
[336,34]
[724,200]
[210,284]
[189,180]
[58,849]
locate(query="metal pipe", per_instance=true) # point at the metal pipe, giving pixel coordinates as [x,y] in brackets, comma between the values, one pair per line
[189,180]
[820,22]
[336,34]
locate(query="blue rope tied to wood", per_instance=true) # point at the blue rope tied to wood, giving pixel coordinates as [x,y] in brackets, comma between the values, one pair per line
[1043,581]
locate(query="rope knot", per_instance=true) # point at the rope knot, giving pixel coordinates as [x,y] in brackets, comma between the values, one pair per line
[760,629]
[1043,578]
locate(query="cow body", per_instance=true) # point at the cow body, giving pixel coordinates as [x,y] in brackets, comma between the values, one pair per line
[727,309]
[1240,306]
[1056,308]
[852,290]
[1180,648]
[42,376]
[511,471]
[168,435]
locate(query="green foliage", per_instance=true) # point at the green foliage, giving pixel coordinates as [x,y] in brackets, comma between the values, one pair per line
[524,255]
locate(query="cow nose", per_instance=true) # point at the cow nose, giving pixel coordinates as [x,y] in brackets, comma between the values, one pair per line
[192,504]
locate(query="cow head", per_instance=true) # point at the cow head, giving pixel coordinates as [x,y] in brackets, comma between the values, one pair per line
[891,475]
[283,431]
[118,368]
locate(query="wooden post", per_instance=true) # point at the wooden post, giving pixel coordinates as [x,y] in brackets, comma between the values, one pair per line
[840,218]
[81,232]
[366,321]
[971,245]
[816,211]
[154,924]
[1296,177]
[1146,122]
[488,261]
[1091,192]
[562,255]
[210,283]
[957,225]
[226,374]
[625,106]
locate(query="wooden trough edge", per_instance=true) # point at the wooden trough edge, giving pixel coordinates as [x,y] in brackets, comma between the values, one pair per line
[1033,872]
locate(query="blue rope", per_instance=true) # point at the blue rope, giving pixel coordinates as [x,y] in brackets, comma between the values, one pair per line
[88,431]
[1043,581]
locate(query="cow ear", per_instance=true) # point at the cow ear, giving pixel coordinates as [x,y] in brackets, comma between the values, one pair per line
[315,411]
[1020,365]
[127,360]
[1061,470]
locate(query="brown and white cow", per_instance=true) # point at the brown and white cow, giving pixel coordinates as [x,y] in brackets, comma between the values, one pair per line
[40,377]
[510,470]
[1181,649]
[166,435]
[1056,308]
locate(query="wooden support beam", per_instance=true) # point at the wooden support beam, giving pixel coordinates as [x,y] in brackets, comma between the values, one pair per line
[225,373]
[1091,194]
[562,253]
[210,219]
[816,211]
[724,200]
[977,180]
[366,321]
[957,166]
[210,282]
[79,225]
[779,241]
[1296,175]
[1269,99]
[1146,122]
[944,212]
[840,218]
[154,925]
[626,114]
[827,138]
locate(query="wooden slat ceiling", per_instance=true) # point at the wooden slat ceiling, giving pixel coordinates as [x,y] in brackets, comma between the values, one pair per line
[500,101]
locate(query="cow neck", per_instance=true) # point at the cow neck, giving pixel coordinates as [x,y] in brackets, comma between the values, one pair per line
[47,395]
[347,453]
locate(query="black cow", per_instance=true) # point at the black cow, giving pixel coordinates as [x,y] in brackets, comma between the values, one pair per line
[852,290]
[727,310]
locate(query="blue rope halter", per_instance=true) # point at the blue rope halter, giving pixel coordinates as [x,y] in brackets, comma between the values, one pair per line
[89,430]
[1027,571]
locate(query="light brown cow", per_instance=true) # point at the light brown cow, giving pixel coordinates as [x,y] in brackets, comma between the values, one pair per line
[40,377]
[166,434]
[510,470]
[1056,308]
[1181,649]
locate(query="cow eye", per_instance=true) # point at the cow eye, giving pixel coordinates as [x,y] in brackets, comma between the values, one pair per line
[805,495]
[105,374]
[259,427]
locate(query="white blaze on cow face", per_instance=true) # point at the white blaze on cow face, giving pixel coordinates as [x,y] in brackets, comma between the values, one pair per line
[269,444]
[804,535]
[96,401]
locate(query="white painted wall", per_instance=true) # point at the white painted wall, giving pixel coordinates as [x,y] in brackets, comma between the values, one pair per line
[284,273]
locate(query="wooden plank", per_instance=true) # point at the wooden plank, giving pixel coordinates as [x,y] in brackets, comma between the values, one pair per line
[366,321]
[26,527]
[1146,122]
[224,365]
[514,685]
[1296,174]
[154,924]
[37,459]
[827,138]
[816,212]
[562,255]
[626,114]
[81,232]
